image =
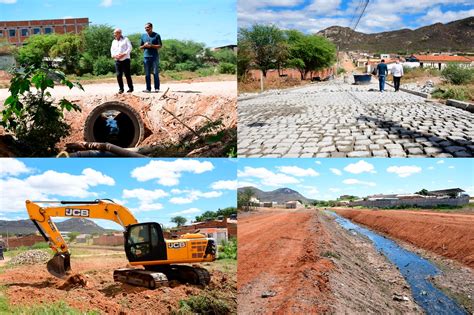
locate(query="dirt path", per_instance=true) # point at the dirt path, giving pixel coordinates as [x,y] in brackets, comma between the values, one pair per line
[311,265]
[446,234]
[32,285]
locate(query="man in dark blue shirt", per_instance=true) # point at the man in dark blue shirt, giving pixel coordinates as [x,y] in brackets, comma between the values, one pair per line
[382,72]
[150,43]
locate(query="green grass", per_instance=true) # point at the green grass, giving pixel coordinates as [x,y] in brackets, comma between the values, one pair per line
[56,308]
[228,249]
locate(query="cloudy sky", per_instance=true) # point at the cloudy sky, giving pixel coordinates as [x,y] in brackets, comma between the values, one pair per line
[311,16]
[212,22]
[326,179]
[153,189]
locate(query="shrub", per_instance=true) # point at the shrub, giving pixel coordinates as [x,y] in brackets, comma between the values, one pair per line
[174,75]
[460,93]
[36,121]
[186,66]
[228,249]
[456,74]
[205,72]
[227,68]
[203,304]
[103,65]
[341,70]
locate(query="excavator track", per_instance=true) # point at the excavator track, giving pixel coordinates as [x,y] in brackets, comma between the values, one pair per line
[156,276]
[141,277]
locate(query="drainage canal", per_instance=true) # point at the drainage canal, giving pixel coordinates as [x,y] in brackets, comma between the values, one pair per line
[116,123]
[415,269]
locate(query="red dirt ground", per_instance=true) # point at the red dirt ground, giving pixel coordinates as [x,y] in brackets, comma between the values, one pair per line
[277,257]
[94,288]
[447,234]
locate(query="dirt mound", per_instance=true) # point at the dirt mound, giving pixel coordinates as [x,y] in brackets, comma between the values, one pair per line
[74,281]
[449,235]
[30,257]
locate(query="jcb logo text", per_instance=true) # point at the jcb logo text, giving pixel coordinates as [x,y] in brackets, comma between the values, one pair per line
[77,212]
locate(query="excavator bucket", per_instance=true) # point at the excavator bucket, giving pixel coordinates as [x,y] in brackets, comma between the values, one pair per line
[60,265]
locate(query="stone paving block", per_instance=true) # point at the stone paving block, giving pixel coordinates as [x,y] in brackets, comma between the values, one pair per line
[380,153]
[359,154]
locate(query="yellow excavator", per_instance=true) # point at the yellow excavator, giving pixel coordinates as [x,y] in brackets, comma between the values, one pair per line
[145,244]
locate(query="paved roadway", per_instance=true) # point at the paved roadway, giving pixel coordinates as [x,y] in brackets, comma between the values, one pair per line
[336,119]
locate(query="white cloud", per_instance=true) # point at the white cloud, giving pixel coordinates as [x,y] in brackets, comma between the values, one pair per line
[12,167]
[297,171]
[336,171]
[317,162]
[193,195]
[241,183]
[106,3]
[224,185]
[440,162]
[267,177]
[360,167]
[169,172]
[451,166]
[7,1]
[144,195]
[334,189]
[431,168]
[352,181]
[436,15]
[404,171]
[187,211]
[322,7]
[309,191]
[49,185]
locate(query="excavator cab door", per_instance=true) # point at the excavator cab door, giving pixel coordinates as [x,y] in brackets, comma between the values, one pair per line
[145,242]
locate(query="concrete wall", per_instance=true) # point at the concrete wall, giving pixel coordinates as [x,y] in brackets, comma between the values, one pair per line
[420,202]
[111,240]
[29,240]
[231,227]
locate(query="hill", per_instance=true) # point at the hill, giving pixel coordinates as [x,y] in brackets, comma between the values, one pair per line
[279,195]
[71,225]
[454,36]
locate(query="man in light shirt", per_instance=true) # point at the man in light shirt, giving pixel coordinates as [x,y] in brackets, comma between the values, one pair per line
[397,73]
[120,51]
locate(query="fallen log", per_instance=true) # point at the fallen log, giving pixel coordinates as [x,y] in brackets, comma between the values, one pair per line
[108,147]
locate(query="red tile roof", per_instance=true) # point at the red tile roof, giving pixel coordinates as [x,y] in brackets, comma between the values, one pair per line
[441,58]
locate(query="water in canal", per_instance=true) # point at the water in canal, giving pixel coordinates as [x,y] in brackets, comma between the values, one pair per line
[415,269]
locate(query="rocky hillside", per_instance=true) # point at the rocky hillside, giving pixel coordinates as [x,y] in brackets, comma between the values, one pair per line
[279,195]
[453,36]
[71,225]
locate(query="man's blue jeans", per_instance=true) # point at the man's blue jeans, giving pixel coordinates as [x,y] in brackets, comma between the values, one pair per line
[381,82]
[151,66]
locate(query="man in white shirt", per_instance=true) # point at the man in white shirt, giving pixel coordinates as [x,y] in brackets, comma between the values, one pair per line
[120,51]
[397,73]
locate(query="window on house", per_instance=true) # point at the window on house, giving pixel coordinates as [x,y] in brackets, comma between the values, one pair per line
[48,30]
[36,30]
[1,33]
[12,33]
[24,32]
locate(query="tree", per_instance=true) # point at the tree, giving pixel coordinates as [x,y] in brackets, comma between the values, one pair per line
[181,55]
[244,59]
[179,220]
[266,43]
[243,199]
[72,236]
[97,40]
[309,52]
[422,192]
[226,212]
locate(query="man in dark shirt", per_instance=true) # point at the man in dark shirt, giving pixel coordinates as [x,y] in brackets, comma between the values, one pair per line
[382,72]
[150,43]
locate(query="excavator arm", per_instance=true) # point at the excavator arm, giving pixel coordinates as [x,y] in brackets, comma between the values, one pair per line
[106,209]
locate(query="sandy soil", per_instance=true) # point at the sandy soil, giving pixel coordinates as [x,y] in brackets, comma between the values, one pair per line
[27,285]
[311,265]
[448,234]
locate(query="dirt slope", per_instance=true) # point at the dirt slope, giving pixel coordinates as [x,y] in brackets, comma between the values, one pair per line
[446,234]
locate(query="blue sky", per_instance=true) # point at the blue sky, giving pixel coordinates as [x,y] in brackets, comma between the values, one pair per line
[311,16]
[213,22]
[326,179]
[153,189]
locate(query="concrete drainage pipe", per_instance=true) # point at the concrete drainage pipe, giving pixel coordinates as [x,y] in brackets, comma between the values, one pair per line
[116,123]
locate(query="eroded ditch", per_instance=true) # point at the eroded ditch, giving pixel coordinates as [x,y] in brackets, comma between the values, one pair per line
[416,270]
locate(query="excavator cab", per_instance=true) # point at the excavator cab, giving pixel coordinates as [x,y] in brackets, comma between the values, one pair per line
[145,242]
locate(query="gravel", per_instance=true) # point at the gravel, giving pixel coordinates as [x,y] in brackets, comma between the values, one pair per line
[30,257]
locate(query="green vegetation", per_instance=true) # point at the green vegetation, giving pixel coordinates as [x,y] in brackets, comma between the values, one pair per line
[457,92]
[243,199]
[37,123]
[72,236]
[228,249]
[205,303]
[457,74]
[267,47]
[212,215]
[179,220]
[89,53]
[329,254]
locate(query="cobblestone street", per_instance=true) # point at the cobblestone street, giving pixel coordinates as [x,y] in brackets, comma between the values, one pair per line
[334,119]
